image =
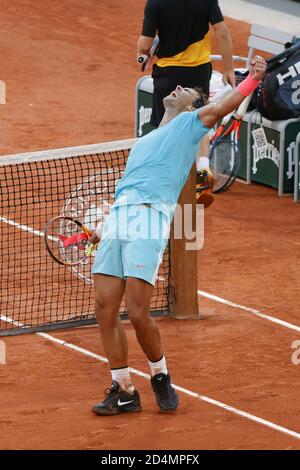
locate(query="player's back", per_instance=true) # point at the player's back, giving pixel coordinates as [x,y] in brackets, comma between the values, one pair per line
[181,23]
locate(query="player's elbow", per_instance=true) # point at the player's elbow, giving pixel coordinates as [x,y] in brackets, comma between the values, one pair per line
[222,32]
[209,115]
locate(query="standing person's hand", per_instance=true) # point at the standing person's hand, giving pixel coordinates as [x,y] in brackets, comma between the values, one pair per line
[229,77]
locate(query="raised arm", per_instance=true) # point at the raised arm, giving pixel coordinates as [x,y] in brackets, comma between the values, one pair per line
[212,113]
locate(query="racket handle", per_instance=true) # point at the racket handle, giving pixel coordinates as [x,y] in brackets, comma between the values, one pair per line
[218,132]
[142,58]
[154,46]
[146,64]
[240,113]
[87,231]
[220,129]
[230,128]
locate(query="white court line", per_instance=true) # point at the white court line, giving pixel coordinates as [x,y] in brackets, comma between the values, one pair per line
[250,310]
[211,401]
[202,293]
[13,322]
[25,228]
[21,227]
[204,398]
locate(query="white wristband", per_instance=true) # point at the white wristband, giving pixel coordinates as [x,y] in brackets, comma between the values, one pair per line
[202,163]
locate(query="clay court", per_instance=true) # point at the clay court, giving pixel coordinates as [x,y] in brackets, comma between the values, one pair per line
[70,72]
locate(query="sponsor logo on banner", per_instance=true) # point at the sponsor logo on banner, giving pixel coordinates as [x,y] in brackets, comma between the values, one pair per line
[291,151]
[268,152]
[144,118]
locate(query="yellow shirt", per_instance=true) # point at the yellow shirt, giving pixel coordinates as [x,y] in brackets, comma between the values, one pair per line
[195,54]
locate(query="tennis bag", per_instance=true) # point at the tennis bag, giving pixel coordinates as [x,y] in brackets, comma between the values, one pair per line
[278,96]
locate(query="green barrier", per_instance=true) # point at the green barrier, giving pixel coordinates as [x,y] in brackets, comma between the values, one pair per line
[274,164]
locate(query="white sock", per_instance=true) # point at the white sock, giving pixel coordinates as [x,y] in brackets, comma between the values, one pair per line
[159,367]
[122,376]
[202,163]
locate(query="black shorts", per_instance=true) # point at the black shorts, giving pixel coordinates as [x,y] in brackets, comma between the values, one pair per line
[166,79]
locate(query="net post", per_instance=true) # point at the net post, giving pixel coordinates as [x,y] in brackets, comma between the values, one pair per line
[183,294]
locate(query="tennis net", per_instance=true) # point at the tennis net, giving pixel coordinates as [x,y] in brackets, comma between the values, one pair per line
[35,292]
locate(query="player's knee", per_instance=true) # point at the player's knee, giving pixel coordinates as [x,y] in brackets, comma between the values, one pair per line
[138,316]
[102,309]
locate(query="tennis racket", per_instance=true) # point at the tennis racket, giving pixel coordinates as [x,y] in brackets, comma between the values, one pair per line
[146,60]
[225,154]
[67,241]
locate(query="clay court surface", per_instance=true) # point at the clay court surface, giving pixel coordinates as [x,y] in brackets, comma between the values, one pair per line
[70,72]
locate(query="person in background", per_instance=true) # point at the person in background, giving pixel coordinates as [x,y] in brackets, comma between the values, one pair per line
[183,27]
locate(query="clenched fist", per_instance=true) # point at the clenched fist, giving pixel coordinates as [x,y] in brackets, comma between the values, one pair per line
[257,68]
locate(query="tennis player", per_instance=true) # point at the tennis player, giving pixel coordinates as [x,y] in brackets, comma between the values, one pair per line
[127,261]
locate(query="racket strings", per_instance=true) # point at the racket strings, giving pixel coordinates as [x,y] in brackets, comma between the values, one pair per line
[222,162]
